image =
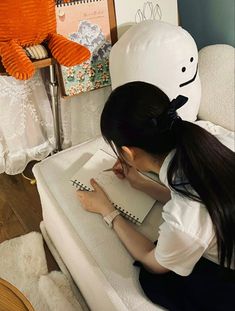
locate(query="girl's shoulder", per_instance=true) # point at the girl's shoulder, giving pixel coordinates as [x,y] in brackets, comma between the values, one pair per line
[190,217]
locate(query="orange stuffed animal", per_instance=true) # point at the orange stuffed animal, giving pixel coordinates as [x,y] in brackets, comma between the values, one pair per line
[29,22]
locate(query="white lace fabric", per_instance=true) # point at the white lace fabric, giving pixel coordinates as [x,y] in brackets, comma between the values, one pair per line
[26,123]
[85,112]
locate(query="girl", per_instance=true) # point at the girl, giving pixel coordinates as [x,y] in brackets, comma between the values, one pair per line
[192,265]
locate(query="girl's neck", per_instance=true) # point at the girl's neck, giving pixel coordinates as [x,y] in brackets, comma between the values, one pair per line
[154,164]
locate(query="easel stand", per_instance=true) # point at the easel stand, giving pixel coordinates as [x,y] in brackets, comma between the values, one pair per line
[55,106]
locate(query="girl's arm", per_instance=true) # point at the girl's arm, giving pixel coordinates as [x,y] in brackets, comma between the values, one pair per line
[155,190]
[140,247]
[137,181]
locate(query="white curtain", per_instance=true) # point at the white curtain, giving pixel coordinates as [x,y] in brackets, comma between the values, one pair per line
[26,123]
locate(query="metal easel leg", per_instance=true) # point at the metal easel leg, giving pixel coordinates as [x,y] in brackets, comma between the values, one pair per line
[55,107]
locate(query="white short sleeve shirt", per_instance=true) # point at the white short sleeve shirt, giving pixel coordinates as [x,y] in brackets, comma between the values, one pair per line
[187,232]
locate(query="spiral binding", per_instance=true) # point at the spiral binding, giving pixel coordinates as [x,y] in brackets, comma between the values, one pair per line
[127,215]
[60,3]
[124,213]
[79,185]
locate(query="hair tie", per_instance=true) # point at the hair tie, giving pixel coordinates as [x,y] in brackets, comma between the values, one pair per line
[165,121]
[175,104]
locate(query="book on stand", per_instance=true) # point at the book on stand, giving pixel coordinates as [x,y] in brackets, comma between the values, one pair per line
[91,24]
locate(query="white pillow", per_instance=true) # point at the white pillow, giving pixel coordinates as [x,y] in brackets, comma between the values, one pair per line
[161,54]
[216,64]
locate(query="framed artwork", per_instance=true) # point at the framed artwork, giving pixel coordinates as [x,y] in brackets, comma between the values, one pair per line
[91,23]
[134,11]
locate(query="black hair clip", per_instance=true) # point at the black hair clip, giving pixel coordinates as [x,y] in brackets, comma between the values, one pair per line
[154,122]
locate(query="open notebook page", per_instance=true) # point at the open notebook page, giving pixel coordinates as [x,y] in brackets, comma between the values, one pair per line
[128,200]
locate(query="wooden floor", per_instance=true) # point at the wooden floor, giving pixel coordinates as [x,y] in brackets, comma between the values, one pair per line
[20,209]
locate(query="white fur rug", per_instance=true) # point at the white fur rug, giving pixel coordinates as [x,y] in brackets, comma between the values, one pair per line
[23,264]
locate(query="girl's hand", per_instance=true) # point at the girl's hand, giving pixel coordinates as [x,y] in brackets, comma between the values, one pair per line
[118,169]
[123,170]
[96,201]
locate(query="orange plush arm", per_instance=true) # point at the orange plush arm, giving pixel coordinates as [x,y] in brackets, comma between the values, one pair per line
[66,52]
[15,61]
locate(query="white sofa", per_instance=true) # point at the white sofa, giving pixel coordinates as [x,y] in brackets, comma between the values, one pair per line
[96,259]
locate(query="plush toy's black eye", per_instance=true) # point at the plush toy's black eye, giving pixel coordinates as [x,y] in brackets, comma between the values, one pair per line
[191,59]
[183,69]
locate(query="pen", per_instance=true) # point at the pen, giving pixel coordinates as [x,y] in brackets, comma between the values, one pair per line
[108,170]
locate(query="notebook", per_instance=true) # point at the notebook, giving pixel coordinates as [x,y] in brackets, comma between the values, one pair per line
[133,204]
[87,23]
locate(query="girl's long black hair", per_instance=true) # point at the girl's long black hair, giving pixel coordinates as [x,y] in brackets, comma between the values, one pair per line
[133,116]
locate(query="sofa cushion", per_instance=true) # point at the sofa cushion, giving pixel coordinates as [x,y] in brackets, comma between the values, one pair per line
[216,65]
[100,265]
[98,262]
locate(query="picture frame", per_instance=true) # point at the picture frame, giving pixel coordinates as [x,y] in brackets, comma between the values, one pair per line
[128,13]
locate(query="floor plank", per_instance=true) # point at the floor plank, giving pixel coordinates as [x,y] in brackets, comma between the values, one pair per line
[23,199]
[10,226]
[20,209]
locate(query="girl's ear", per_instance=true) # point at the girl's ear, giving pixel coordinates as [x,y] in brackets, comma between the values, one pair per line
[128,153]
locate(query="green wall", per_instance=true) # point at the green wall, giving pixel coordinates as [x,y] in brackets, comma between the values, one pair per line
[209,21]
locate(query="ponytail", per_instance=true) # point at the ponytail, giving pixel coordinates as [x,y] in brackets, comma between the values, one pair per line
[209,168]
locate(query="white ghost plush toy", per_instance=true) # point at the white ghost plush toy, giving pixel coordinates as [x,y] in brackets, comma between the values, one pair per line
[161,54]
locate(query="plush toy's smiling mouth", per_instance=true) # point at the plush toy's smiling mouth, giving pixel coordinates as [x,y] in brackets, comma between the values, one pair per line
[190,81]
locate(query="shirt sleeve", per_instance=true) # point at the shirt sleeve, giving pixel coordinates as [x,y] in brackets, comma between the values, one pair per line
[176,250]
